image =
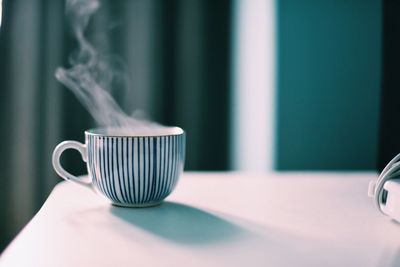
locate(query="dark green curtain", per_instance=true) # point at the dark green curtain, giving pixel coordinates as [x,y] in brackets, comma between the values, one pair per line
[328,80]
[177,54]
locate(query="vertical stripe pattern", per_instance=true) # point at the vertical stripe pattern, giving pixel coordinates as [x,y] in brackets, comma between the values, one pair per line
[135,170]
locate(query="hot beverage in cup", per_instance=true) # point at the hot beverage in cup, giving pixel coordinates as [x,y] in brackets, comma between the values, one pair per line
[130,168]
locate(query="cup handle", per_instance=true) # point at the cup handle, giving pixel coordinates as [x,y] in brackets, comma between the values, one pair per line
[60,170]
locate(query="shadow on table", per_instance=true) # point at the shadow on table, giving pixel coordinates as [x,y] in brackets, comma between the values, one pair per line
[180,223]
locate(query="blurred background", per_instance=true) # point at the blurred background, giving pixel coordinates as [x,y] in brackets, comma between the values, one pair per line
[259,85]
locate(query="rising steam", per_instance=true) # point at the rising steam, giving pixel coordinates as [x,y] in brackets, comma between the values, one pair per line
[92,76]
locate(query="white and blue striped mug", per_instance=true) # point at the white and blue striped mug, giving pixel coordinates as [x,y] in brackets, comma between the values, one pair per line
[131,170]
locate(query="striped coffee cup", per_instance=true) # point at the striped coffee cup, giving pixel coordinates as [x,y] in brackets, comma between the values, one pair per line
[132,170]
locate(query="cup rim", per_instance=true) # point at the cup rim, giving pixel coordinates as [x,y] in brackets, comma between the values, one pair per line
[175,131]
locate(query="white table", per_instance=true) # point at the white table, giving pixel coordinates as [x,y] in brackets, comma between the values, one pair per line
[216,219]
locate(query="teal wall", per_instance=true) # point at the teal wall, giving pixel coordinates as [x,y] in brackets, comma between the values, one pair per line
[328,84]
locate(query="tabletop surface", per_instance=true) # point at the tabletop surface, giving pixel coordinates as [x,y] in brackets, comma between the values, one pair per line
[216,219]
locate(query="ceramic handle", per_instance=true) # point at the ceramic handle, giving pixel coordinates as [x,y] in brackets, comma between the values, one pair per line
[60,170]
